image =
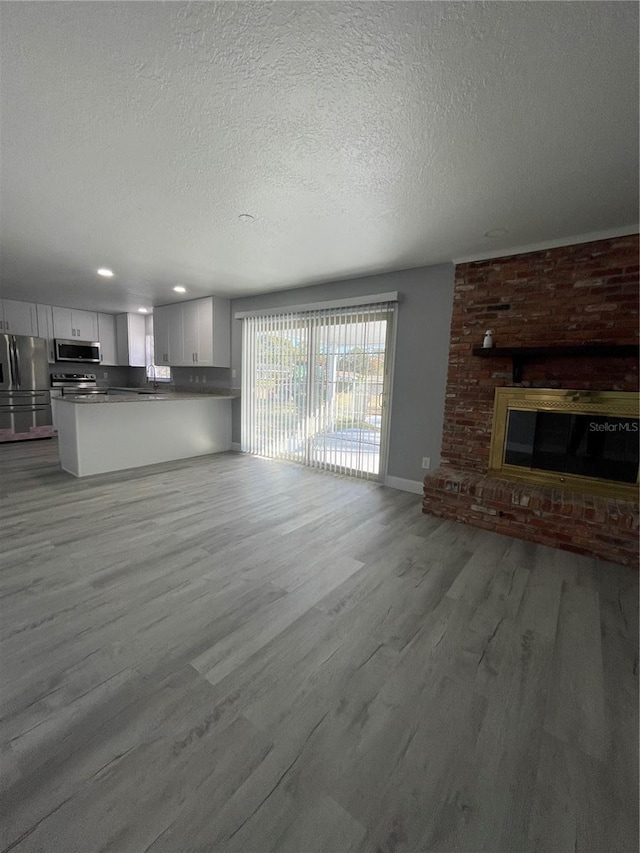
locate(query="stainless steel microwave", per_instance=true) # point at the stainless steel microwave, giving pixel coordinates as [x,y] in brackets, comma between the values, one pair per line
[77,351]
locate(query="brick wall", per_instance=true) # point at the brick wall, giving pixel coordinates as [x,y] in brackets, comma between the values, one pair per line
[587,293]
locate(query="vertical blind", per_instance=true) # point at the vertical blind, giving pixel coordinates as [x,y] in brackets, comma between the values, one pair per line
[313,386]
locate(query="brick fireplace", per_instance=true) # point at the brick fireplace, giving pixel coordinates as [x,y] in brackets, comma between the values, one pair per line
[585,294]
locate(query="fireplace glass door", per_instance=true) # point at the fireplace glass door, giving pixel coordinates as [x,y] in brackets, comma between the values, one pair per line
[587,445]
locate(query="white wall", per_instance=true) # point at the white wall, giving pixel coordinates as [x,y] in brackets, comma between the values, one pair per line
[422,351]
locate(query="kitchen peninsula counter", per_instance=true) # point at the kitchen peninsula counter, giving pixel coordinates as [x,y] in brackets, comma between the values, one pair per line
[97,433]
[143,397]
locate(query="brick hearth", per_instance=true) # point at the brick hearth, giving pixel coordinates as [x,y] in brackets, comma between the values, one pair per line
[587,293]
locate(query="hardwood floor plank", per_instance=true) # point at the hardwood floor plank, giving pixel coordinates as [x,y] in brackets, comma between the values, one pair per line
[230,654]
[576,706]
[574,806]
[238,646]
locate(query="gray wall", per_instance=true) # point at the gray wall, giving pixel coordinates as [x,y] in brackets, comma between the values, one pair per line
[422,352]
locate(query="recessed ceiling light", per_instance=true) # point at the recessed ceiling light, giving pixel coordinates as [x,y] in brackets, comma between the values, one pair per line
[246,217]
[496,232]
[143,311]
[105,272]
[180,289]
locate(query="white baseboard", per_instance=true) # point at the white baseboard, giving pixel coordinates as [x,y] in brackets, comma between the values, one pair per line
[414,486]
[235,445]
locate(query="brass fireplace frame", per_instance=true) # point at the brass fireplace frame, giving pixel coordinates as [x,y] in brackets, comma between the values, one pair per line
[610,403]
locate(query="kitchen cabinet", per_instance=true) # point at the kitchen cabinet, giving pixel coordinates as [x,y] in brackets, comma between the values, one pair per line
[197,342]
[107,338]
[55,393]
[18,318]
[214,342]
[191,333]
[167,332]
[117,433]
[130,337]
[63,324]
[69,323]
[45,329]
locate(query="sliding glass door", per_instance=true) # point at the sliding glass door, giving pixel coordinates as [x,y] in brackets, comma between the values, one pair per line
[315,385]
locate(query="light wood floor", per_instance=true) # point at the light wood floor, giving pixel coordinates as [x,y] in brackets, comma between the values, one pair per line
[230,654]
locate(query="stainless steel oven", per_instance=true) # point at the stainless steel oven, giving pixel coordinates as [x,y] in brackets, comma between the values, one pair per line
[76,384]
[77,350]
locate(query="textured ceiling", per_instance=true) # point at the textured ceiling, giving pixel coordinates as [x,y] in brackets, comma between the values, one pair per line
[362,137]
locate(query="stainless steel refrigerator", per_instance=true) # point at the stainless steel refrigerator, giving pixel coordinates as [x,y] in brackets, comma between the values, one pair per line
[25,401]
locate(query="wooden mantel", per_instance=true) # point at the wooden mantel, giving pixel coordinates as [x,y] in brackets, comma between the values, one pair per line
[520,355]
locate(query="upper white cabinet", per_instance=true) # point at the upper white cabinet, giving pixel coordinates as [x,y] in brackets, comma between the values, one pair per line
[86,322]
[167,331]
[192,333]
[18,318]
[69,323]
[107,338]
[62,323]
[130,334]
[45,329]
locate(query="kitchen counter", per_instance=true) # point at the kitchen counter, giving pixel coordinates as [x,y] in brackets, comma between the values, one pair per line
[142,397]
[97,434]
[173,391]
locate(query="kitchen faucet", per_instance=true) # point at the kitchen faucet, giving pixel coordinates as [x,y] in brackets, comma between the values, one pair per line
[155,384]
